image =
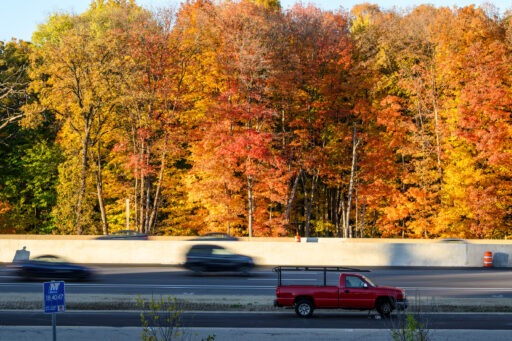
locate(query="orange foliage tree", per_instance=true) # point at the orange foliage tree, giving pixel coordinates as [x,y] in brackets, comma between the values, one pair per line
[237,116]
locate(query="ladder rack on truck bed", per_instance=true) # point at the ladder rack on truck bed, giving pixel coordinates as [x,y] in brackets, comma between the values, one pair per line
[324,269]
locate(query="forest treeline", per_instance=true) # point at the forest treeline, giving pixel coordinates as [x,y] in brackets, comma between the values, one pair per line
[245,118]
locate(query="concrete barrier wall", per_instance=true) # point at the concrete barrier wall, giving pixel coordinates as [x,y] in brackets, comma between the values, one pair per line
[282,251]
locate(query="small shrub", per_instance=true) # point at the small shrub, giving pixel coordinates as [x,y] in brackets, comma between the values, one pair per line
[161,320]
[410,329]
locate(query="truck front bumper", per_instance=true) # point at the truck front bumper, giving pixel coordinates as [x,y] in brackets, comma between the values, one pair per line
[402,305]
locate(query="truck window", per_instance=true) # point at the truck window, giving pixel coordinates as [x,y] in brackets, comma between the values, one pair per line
[354,282]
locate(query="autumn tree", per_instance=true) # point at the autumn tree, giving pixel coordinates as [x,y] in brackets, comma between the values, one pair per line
[236,116]
[422,62]
[152,137]
[13,81]
[237,135]
[77,72]
[398,52]
[314,102]
[475,71]
[268,4]
[29,158]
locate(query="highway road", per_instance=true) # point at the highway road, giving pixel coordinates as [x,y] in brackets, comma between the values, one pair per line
[161,280]
[462,284]
[242,320]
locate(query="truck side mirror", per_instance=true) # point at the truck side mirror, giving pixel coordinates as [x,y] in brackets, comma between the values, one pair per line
[365,285]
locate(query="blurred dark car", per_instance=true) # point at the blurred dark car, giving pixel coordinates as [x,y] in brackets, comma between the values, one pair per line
[51,267]
[216,236]
[210,258]
[125,234]
[453,240]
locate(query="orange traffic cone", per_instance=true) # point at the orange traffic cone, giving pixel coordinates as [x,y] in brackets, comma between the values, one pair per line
[297,237]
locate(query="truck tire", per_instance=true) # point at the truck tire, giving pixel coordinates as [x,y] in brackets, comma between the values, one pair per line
[304,308]
[384,307]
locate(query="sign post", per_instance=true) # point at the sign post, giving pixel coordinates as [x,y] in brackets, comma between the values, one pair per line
[54,298]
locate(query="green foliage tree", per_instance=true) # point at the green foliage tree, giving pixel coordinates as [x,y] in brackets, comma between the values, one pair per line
[77,71]
[29,177]
[28,157]
[13,82]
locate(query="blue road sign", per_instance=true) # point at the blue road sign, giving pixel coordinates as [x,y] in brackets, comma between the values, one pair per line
[54,297]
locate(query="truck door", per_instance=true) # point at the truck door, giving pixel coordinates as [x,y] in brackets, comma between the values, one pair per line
[326,296]
[355,293]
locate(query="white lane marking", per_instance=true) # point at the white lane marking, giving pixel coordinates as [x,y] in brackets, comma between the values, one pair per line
[238,287]
[151,286]
[455,288]
[287,279]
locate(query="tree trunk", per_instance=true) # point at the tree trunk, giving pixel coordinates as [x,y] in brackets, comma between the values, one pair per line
[142,190]
[436,126]
[135,202]
[309,203]
[343,211]
[83,175]
[147,205]
[339,212]
[355,142]
[250,203]
[362,219]
[142,185]
[99,185]
[101,203]
[154,210]
[291,197]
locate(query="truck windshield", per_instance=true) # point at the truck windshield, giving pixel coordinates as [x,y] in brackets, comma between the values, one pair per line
[370,283]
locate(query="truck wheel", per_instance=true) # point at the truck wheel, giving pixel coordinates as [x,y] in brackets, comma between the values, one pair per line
[384,308]
[304,308]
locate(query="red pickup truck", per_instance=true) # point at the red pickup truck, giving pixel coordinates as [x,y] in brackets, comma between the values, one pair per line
[353,291]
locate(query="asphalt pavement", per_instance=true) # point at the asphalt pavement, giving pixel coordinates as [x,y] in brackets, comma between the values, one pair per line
[259,303]
[28,333]
[79,333]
